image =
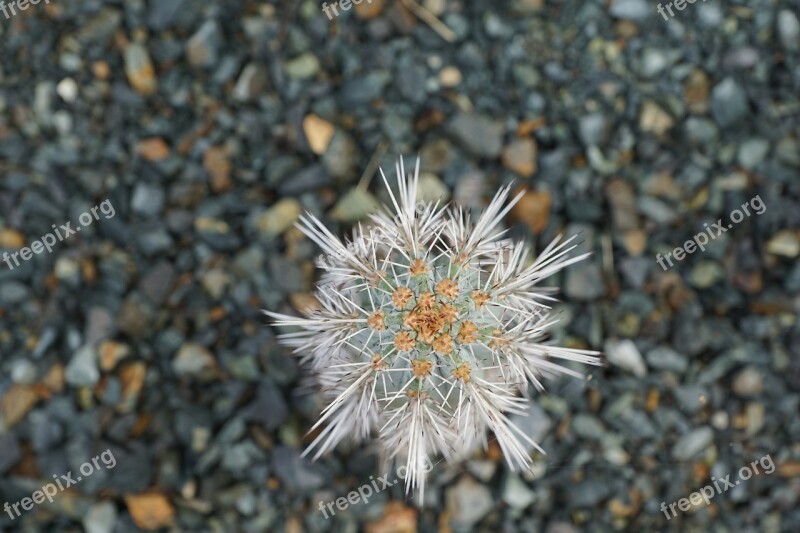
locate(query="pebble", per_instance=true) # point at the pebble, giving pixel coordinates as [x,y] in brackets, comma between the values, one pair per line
[785,243]
[302,67]
[516,493]
[252,83]
[728,103]
[318,132]
[479,135]
[789,30]
[625,354]
[468,502]
[101,518]
[193,360]
[82,369]
[278,218]
[139,69]
[692,443]
[67,89]
[520,157]
[748,382]
[635,10]
[202,48]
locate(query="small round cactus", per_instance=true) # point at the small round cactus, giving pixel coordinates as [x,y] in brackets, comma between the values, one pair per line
[430,330]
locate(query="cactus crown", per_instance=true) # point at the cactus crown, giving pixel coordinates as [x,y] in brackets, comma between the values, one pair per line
[429,329]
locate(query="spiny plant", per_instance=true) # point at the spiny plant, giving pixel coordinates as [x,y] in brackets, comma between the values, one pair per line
[429,331]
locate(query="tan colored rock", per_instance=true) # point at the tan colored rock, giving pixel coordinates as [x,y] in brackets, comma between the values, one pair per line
[111,353]
[450,77]
[696,91]
[18,400]
[219,167]
[520,156]
[150,511]
[397,518]
[279,217]
[534,209]
[153,149]
[139,69]
[318,132]
[11,238]
[653,119]
[369,10]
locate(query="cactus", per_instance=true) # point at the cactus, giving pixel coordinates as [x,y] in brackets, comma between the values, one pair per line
[429,331]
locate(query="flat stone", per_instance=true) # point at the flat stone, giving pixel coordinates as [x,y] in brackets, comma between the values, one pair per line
[479,135]
[625,354]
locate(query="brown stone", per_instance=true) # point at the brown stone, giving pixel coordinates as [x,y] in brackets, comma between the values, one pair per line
[216,163]
[534,210]
[397,518]
[18,400]
[150,511]
[153,149]
[318,132]
[696,90]
[10,238]
[369,10]
[520,156]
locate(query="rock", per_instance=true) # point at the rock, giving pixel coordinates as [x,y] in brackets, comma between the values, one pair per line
[150,510]
[534,209]
[479,135]
[355,204]
[397,516]
[692,443]
[468,502]
[193,360]
[728,103]
[278,218]
[17,401]
[696,91]
[295,472]
[516,493]
[10,451]
[251,83]
[636,10]
[535,424]
[11,239]
[67,89]
[450,77]
[785,243]
[202,48]
[369,10]
[622,199]
[139,70]
[625,354]
[584,281]
[147,199]
[318,132]
[653,119]
[705,274]
[431,189]
[752,152]
[111,353]
[101,518]
[340,157]
[219,167]
[520,157]
[153,149]
[304,66]
[592,129]
[268,408]
[748,383]
[82,369]
[789,30]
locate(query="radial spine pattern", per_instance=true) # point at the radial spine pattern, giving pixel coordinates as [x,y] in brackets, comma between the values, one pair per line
[430,329]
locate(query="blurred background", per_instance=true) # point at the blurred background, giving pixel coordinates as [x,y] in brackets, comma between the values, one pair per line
[211,126]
